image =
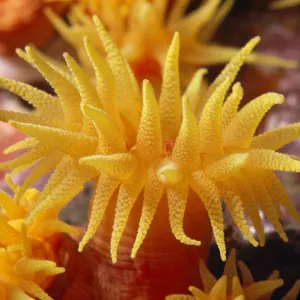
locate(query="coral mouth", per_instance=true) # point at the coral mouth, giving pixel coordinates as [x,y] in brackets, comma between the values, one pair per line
[168,146]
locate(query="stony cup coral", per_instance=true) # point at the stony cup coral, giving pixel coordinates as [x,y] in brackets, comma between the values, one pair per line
[228,286]
[28,254]
[145,31]
[114,131]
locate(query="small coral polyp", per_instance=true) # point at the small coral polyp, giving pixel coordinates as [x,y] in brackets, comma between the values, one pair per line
[28,258]
[119,135]
[279,4]
[143,30]
[228,286]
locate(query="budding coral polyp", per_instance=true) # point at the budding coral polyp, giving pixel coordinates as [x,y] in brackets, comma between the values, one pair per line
[119,134]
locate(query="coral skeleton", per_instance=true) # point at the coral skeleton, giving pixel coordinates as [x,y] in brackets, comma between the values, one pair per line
[28,257]
[129,142]
[228,286]
[143,31]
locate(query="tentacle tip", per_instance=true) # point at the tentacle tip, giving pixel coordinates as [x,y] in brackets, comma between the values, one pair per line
[176,36]
[135,250]
[202,71]
[193,243]
[6,151]
[254,243]
[292,64]
[18,50]
[96,20]
[223,255]
[66,55]
[297,169]
[114,259]
[61,270]
[29,50]
[146,83]
[256,39]
[83,161]
[188,241]
[81,247]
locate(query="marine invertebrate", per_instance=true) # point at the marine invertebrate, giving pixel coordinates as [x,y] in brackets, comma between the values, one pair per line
[128,143]
[28,254]
[18,21]
[278,4]
[228,286]
[113,130]
[145,31]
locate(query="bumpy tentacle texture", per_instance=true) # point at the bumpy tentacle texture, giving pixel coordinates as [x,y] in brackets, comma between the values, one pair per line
[143,30]
[115,132]
[279,4]
[28,254]
[228,286]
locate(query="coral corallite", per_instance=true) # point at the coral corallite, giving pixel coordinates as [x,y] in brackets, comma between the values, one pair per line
[228,286]
[28,260]
[151,158]
[143,30]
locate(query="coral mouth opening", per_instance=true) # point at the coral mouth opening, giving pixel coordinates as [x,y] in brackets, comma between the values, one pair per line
[168,146]
[148,67]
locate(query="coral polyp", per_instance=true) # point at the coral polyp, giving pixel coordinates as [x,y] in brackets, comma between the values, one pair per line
[228,286]
[28,255]
[143,31]
[132,143]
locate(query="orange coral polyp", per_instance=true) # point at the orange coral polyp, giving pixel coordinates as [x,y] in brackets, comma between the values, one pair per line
[28,255]
[115,132]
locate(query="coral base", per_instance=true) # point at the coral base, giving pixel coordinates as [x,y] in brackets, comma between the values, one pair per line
[163,265]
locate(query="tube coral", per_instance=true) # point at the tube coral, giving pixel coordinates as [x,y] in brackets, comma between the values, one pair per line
[28,254]
[144,33]
[278,4]
[228,286]
[135,145]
